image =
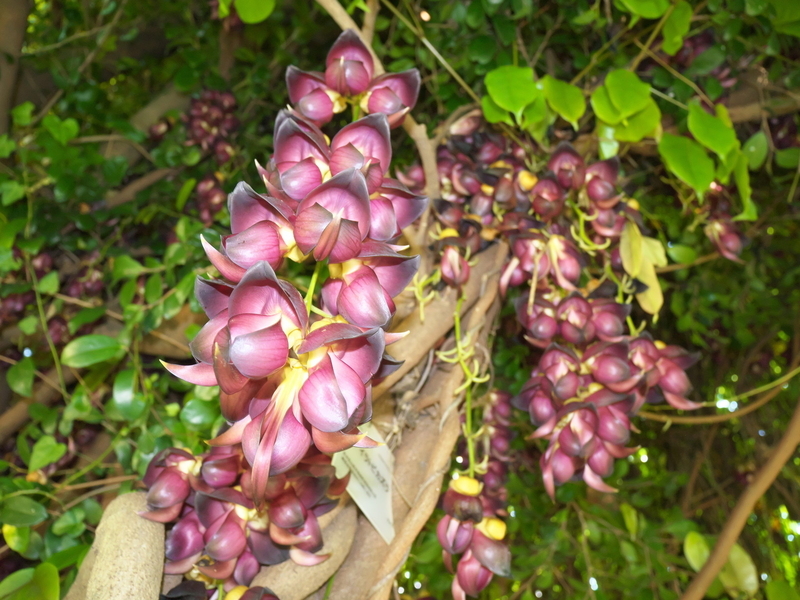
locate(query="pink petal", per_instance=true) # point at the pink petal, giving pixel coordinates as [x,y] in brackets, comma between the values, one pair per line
[260,353]
[307,559]
[228,376]
[198,374]
[299,180]
[212,295]
[348,242]
[346,195]
[301,83]
[405,85]
[223,264]
[346,157]
[350,47]
[291,445]
[383,223]
[371,136]
[316,106]
[363,301]
[293,144]
[258,242]
[321,400]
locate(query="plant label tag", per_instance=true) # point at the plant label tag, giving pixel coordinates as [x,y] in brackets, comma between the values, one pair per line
[370,483]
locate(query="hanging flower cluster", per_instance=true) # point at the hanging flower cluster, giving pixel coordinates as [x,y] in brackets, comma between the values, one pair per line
[295,378]
[210,122]
[349,78]
[594,372]
[220,535]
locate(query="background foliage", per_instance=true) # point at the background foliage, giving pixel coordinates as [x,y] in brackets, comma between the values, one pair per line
[104,202]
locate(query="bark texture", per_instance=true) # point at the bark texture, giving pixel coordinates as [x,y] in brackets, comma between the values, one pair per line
[13,22]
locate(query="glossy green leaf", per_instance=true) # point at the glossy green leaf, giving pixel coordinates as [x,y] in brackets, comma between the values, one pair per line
[739,575]
[68,557]
[17,538]
[254,11]
[7,146]
[70,524]
[648,9]
[152,289]
[62,131]
[11,192]
[126,267]
[755,149]
[676,27]
[688,161]
[21,511]
[641,125]
[89,350]
[512,88]
[565,99]
[184,193]
[45,584]
[780,590]
[130,404]
[20,377]
[741,175]
[535,113]
[682,254]
[493,113]
[787,17]
[49,284]
[45,451]
[15,581]
[788,158]
[84,317]
[627,92]
[603,108]
[696,550]
[711,131]
[199,414]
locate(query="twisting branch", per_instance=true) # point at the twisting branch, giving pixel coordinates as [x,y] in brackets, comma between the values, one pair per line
[368,29]
[733,527]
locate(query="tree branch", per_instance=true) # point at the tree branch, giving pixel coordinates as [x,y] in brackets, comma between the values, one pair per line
[735,523]
[13,23]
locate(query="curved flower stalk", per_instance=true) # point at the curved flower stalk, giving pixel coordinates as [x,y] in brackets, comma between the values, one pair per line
[295,378]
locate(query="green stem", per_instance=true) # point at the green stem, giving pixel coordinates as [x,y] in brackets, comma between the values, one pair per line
[312,286]
[468,433]
[97,461]
[767,386]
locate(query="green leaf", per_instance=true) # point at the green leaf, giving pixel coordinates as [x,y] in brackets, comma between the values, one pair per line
[755,149]
[129,404]
[631,518]
[603,108]
[535,116]
[696,550]
[676,27]
[482,49]
[739,574]
[22,114]
[68,557]
[627,92]
[70,524]
[62,131]
[653,252]
[742,177]
[687,159]
[126,267]
[565,99]
[254,11]
[20,377]
[49,284]
[11,191]
[682,254]
[152,289]
[630,248]
[648,9]
[493,113]
[787,17]
[644,123]
[608,145]
[15,581]
[46,451]
[788,159]
[17,538]
[90,350]
[512,88]
[84,317]
[706,62]
[7,146]
[780,590]
[21,511]
[711,131]
[45,584]
[652,299]
[184,193]
[199,414]
[29,325]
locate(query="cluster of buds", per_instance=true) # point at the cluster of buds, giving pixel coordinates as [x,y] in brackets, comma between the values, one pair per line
[581,398]
[295,379]
[497,425]
[720,228]
[211,197]
[210,122]
[470,528]
[220,536]
[13,306]
[349,78]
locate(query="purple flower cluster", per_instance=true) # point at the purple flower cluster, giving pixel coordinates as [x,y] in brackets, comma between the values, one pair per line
[591,377]
[295,379]
[349,77]
[220,535]
[210,122]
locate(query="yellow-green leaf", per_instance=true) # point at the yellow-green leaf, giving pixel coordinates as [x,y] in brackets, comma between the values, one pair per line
[652,299]
[653,251]
[630,248]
